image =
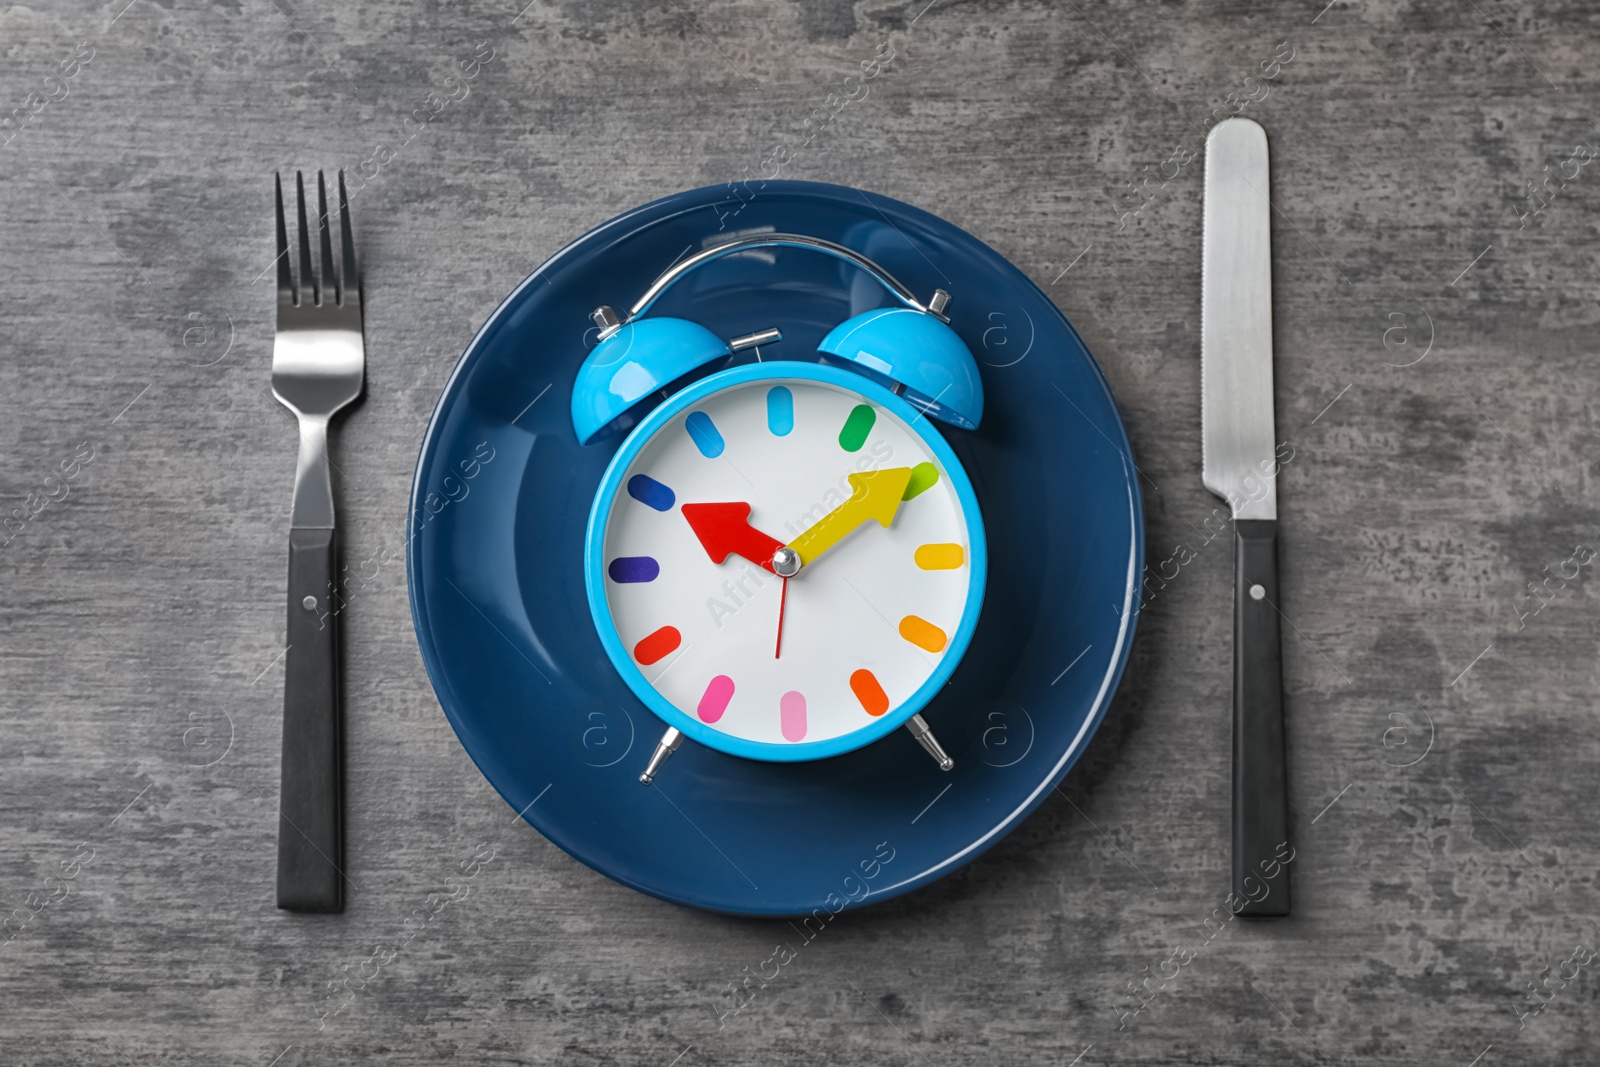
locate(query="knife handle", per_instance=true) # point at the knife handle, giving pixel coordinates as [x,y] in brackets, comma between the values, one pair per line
[310,820]
[1260,787]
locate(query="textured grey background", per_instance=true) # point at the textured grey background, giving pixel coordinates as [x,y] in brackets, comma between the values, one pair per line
[143,614]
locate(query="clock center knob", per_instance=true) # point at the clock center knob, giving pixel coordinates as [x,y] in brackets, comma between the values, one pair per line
[786,562]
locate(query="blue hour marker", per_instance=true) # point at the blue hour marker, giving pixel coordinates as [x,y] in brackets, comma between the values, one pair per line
[707,438]
[634,569]
[646,490]
[780,410]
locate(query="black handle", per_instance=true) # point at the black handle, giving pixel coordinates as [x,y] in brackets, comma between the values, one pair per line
[311,823]
[1260,780]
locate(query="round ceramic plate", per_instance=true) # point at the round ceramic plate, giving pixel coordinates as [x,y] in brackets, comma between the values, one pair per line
[502,496]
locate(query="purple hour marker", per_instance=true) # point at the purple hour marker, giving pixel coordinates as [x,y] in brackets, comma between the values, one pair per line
[646,490]
[634,569]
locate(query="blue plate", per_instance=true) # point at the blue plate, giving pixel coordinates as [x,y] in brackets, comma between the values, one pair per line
[495,561]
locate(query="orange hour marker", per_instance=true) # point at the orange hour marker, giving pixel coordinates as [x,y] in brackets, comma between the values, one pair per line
[873,699]
[922,633]
[939,557]
[665,641]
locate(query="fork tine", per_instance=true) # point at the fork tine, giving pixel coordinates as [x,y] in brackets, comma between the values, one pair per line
[330,282]
[286,293]
[308,279]
[350,283]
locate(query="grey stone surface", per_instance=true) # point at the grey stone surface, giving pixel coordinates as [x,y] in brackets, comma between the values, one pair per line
[143,613]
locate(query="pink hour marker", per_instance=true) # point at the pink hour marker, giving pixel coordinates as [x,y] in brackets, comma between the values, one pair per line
[718,692]
[792,716]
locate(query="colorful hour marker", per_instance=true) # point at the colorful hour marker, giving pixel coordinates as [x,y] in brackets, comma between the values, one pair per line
[792,716]
[646,490]
[664,642]
[636,569]
[780,410]
[856,427]
[867,690]
[939,557]
[715,701]
[924,476]
[919,632]
[707,438]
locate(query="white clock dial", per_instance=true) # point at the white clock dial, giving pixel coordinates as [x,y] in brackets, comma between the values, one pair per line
[872,613]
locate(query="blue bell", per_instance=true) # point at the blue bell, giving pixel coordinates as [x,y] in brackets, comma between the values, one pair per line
[919,351]
[633,361]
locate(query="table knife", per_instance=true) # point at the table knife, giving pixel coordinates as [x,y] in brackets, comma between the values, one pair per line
[1238,444]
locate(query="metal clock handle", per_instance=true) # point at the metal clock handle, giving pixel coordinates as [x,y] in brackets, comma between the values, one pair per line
[934,306]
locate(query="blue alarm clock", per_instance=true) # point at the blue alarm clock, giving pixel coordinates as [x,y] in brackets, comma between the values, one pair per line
[784,560]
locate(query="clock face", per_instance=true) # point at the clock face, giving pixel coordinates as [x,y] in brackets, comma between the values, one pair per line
[864,493]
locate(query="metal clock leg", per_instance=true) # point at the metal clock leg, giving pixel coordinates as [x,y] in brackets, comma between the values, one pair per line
[665,747]
[919,729]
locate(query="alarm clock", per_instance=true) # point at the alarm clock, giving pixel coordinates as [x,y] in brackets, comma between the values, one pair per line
[784,560]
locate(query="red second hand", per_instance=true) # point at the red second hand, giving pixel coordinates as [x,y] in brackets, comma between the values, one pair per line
[783,599]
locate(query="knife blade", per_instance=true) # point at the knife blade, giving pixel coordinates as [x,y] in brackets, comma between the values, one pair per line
[1238,446]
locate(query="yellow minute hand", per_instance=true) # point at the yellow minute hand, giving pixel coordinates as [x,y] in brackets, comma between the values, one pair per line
[876,495]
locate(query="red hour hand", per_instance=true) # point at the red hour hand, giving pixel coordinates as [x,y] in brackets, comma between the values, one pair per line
[724,529]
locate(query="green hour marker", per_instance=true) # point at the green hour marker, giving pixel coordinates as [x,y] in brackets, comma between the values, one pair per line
[923,477]
[856,427]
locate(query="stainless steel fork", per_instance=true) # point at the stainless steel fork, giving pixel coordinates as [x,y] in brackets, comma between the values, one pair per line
[318,363]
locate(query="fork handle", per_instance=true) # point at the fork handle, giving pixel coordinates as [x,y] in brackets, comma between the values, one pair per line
[310,822]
